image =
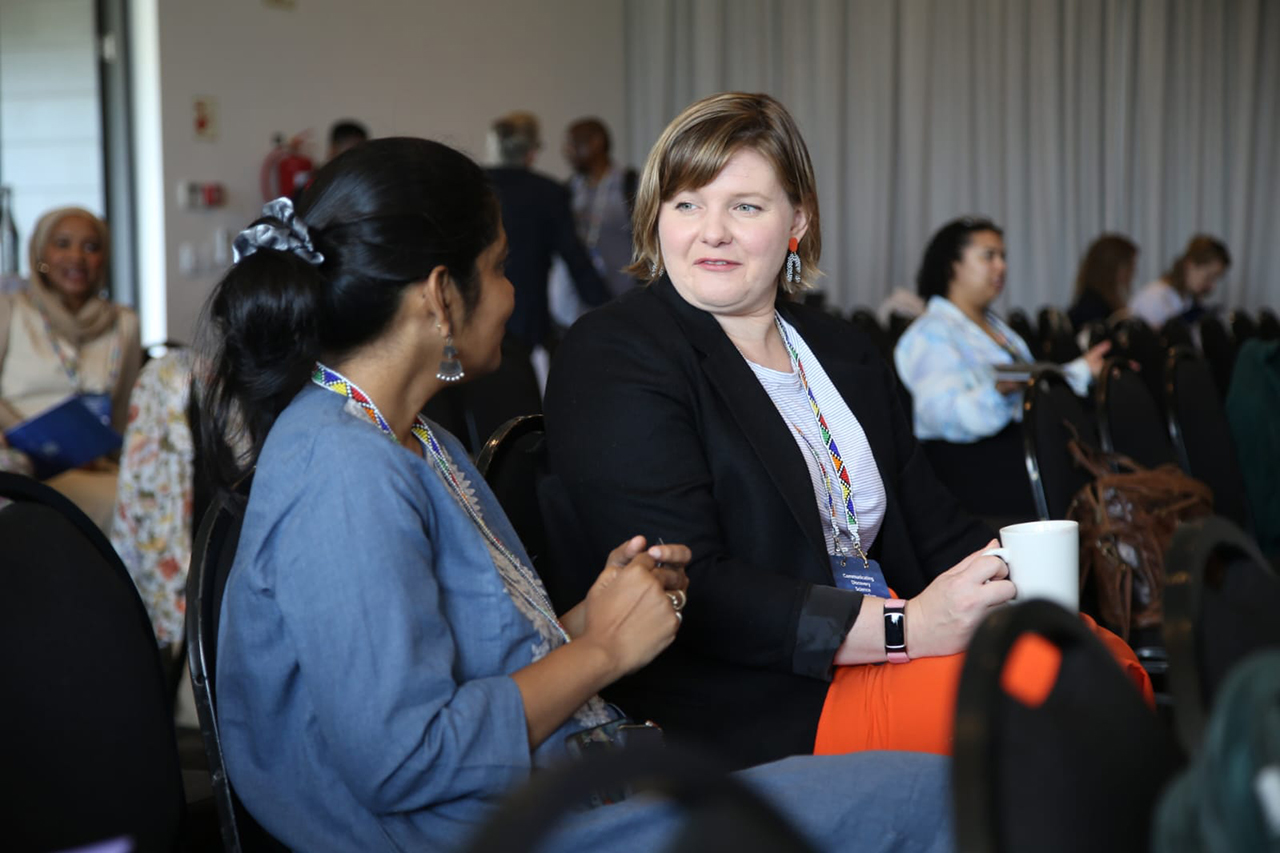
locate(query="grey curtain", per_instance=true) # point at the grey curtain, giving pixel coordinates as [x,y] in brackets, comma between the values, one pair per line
[1060,119]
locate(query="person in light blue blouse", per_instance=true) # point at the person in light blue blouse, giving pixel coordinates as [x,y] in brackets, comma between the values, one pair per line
[946,358]
[389,663]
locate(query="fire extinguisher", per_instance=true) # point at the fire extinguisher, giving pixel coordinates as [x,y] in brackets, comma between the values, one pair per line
[286,169]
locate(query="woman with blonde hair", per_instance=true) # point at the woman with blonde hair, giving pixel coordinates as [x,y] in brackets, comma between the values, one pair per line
[61,337]
[710,408]
[1191,278]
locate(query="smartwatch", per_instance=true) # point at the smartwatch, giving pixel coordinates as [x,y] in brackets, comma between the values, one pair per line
[895,630]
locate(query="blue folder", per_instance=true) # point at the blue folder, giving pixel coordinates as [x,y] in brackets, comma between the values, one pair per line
[65,436]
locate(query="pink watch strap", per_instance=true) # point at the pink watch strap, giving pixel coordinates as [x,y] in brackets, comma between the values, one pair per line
[895,630]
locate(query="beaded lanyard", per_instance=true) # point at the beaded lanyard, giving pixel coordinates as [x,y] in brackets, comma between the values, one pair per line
[332,380]
[71,363]
[842,473]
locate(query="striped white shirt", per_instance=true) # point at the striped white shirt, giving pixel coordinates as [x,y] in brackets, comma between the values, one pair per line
[788,395]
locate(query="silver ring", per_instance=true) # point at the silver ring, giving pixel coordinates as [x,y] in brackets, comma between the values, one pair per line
[678,599]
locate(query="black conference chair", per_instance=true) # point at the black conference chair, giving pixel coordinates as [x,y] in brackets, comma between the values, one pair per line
[1129,421]
[1050,412]
[898,324]
[88,750]
[1176,333]
[1057,336]
[1080,770]
[1219,350]
[1242,326]
[1221,604]
[1133,340]
[1201,433]
[1020,323]
[211,561]
[1268,325]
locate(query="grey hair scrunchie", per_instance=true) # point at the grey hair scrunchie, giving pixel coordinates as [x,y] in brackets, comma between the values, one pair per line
[287,234]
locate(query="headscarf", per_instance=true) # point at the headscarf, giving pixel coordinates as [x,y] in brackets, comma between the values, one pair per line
[97,315]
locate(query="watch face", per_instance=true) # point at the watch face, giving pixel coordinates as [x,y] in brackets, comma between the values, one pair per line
[895,631]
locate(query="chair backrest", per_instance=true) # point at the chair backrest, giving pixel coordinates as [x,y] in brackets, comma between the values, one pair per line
[1242,326]
[1077,768]
[1176,333]
[1219,350]
[1134,340]
[1130,422]
[211,561]
[1049,407]
[1221,603]
[1268,325]
[1201,434]
[511,462]
[88,750]
[1020,323]
[1057,336]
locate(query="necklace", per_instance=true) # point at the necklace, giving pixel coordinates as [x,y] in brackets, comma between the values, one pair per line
[71,361]
[531,590]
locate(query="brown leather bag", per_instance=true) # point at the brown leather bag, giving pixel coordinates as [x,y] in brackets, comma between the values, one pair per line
[1127,516]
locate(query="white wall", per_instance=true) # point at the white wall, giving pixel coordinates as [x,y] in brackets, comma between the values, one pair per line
[50,120]
[430,68]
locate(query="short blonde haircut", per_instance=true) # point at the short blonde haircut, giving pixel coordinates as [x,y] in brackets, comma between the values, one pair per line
[697,145]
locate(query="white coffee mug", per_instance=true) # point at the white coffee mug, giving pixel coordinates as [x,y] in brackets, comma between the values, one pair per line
[1044,560]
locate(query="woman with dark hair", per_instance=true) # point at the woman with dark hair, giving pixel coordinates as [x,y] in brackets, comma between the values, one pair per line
[1103,280]
[389,664]
[61,337]
[1192,277]
[947,357]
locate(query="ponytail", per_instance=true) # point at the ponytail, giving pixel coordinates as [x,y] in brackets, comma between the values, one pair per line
[266,318]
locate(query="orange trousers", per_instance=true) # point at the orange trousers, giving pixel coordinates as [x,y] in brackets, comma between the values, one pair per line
[912,706]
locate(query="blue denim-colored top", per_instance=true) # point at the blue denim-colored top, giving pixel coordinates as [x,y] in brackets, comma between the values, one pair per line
[366,644]
[948,364]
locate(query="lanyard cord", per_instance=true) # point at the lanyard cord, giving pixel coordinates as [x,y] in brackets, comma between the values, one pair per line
[71,361]
[833,451]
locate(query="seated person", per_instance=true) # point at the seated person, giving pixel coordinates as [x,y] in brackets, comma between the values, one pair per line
[947,357]
[1103,280]
[389,665]
[709,408]
[1191,278]
[60,337]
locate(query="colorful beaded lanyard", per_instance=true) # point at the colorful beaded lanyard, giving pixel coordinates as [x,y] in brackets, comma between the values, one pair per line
[842,473]
[71,363]
[328,378]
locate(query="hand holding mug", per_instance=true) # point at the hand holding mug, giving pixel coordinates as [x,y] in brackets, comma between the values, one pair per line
[941,619]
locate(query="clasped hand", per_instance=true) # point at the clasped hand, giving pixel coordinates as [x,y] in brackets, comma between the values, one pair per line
[628,612]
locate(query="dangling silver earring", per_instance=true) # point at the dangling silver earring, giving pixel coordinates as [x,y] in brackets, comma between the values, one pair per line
[450,368]
[654,270]
[793,261]
[42,268]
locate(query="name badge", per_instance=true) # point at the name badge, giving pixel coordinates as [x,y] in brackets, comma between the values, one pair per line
[867,579]
[99,404]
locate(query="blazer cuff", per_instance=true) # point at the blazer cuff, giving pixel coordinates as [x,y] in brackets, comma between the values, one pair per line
[825,619]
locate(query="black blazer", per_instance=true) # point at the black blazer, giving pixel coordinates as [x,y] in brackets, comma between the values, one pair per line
[538,219]
[657,425]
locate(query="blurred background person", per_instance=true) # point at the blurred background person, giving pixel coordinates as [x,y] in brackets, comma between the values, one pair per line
[539,223]
[602,195]
[344,135]
[59,337]
[1103,280]
[1180,291]
[947,357]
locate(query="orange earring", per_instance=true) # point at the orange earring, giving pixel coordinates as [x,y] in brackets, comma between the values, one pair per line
[793,261]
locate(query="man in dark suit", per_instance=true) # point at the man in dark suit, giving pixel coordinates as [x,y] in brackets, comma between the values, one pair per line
[539,224]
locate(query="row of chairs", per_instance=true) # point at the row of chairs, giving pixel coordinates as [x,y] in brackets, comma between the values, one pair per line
[1189,429]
